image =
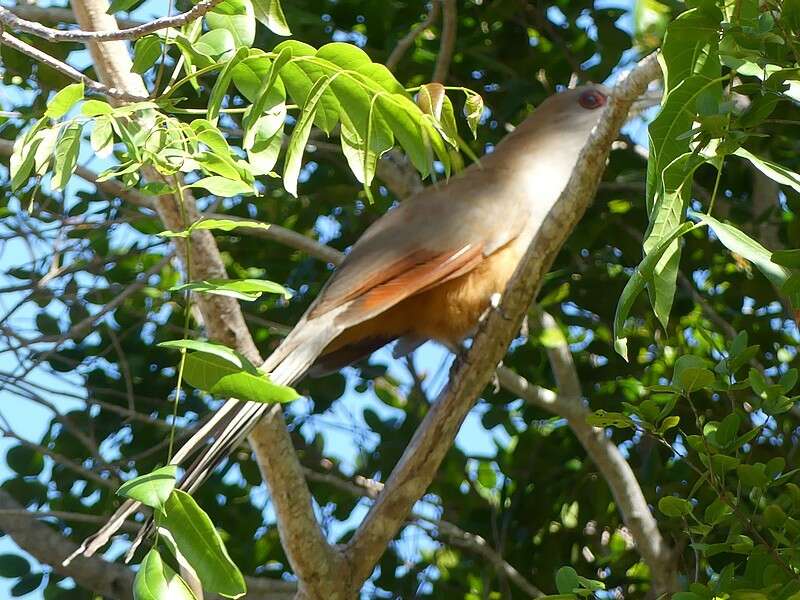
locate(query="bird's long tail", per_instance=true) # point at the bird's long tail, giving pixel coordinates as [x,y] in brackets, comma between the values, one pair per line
[228,426]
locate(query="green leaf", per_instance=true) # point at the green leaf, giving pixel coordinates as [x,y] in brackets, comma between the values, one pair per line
[217,44]
[301,74]
[199,542]
[602,418]
[151,489]
[23,160]
[772,170]
[66,155]
[403,118]
[95,108]
[673,506]
[267,99]
[155,580]
[672,197]
[102,137]
[265,151]
[220,377]
[487,476]
[473,109]
[27,584]
[746,247]
[567,580]
[237,17]
[727,430]
[25,461]
[221,85]
[216,224]
[220,186]
[691,373]
[13,565]
[209,135]
[64,100]
[297,143]
[118,5]
[219,164]
[228,354]
[637,283]
[349,57]
[676,117]
[787,258]
[270,13]
[243,289]
[689,41]
[146,53]
[753,475]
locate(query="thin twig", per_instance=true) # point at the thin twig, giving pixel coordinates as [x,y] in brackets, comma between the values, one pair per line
[448,43]
[16,23]
[9,40]
[407,40]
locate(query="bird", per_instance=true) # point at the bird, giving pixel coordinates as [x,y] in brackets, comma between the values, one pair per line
[426,270]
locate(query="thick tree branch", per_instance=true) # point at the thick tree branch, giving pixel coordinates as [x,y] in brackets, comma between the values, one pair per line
[49,547]
[618,474]
[471,372]
[316,564]
[15,22]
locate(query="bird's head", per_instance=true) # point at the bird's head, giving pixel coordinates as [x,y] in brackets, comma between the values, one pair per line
[576,110]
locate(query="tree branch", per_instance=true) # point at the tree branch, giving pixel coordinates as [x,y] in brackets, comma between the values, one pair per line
[9,40]
[619,476]
[108,579]
[471,372]
[453,534]
[17,23]
[313,560]
[407,40]
[448,43]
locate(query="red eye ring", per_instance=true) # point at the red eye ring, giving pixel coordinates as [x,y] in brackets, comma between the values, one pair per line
[592,99]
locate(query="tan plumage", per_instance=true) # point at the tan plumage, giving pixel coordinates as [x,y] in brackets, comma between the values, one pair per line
[425,270]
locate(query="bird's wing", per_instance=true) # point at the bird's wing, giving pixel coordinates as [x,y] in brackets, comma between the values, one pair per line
[422,243]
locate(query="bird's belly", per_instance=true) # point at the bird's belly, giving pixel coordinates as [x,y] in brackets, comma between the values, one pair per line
[449,312]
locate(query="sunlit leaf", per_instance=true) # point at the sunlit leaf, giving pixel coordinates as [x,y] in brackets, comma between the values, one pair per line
[222,378]
[773,170]
[217,224]
[270,13]
[221,85]
[64,100]
[199,542]
[237,17]
[297,143]
[66,155]
[156,580]
[637,283]
[146,52]
[243,289]
[739,242]
[151,489]
[220,186]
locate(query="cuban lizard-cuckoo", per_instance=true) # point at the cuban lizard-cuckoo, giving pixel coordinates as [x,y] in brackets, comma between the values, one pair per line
[425,270]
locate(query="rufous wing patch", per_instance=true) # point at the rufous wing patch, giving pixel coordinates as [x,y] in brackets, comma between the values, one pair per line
[412,274]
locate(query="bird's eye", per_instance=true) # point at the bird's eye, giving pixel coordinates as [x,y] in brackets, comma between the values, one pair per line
[592,99]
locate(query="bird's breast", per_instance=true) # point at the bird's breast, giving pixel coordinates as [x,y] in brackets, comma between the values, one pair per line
[449,312]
